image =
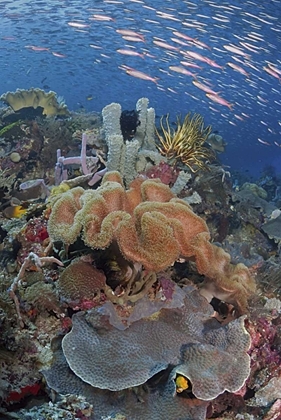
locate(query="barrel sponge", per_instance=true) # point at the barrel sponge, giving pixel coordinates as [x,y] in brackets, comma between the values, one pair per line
[211,356]
[35,97]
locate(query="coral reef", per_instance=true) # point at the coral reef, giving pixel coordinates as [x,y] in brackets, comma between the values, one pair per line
[129,122]
[89,165]
[163,171]
[35,97]
[147,290]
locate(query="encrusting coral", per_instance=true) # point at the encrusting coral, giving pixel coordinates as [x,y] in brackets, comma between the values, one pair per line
[133,404]
[110,359]
[150,226]
[186,143]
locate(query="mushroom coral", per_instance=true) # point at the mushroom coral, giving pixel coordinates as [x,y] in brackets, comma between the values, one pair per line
[150,226]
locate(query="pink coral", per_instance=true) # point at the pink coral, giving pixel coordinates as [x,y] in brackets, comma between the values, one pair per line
[33,238]
[263,353]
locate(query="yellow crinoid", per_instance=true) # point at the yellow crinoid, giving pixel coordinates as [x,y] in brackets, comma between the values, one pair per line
[186,142]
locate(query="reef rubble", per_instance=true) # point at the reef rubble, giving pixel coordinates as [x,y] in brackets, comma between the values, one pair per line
[133,287]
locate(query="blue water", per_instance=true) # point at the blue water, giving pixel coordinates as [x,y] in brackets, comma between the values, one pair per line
[82,64]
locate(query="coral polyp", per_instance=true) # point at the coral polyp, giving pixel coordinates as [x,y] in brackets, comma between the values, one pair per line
[186,142]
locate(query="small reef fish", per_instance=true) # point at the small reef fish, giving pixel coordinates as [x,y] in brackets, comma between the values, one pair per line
[213,63]
[274,68]
[179,41]
[236,50]
[56,54]
[78,25]
[129,32]
[139,74]
[182,70]
[264,142]
[219,100]
[102,18]
[196,56]
[35,48]
[130,52]
[189,64]
[183,36]
[201,44]
[14,212]
[272,72]
[163,44]
[238,69]
[204,87]
[133,38]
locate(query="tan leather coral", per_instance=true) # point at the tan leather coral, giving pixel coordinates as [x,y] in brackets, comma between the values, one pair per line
[151,227]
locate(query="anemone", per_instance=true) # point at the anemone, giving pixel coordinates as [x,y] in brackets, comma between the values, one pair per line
[186,142]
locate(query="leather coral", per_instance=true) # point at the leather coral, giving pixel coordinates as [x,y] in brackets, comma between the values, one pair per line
[150,226]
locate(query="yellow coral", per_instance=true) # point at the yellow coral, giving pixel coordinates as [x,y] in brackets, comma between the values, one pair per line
[186,143]
[59,189]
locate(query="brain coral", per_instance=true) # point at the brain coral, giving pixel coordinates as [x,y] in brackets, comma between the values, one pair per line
[80,281]
[150,225]
[213,357]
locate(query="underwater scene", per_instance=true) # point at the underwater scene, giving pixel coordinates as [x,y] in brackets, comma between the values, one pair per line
[140,210]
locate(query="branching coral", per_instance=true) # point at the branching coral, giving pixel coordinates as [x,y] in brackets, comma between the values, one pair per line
[186,143]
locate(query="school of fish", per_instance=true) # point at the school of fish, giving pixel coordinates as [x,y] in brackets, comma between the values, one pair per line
[225,56]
